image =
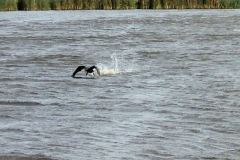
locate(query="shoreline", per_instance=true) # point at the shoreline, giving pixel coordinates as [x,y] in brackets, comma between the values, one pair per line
[39,5]
[121,9]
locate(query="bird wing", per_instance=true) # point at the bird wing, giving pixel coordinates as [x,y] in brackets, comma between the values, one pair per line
[79,68]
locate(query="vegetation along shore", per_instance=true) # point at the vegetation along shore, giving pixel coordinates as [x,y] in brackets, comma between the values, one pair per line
[13,5]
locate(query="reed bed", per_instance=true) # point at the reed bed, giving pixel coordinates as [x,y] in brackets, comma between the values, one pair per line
[9,5]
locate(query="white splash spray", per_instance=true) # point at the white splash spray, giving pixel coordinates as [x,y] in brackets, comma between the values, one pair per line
[117,65]
[110,69]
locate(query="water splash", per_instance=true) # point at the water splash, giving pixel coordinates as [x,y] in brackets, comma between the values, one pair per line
[110,69]
[118,65]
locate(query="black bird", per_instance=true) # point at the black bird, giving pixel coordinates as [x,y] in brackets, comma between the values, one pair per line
[86,69]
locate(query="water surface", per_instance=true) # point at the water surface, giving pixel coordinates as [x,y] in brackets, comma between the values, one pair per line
[169,88]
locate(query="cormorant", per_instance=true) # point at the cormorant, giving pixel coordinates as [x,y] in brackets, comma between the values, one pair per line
[87,70]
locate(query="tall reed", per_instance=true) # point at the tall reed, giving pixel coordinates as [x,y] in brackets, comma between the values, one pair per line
[33,4]
[7,5]
[229,4]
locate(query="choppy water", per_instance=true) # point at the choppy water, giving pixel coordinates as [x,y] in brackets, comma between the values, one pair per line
[170,87]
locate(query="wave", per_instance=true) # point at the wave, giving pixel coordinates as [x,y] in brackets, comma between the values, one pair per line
[236,30]
[20,103]
[24,157]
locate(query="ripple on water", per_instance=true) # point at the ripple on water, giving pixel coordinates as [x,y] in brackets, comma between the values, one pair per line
[24,157]
[20,103]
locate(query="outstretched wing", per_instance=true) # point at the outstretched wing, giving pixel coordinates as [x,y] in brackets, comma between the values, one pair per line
[79,68]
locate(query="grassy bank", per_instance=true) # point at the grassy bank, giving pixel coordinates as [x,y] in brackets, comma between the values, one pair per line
[8,5]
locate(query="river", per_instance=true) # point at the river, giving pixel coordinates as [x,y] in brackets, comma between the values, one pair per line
[169,85]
